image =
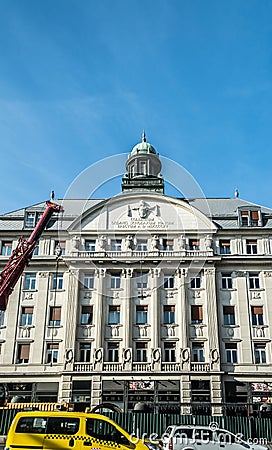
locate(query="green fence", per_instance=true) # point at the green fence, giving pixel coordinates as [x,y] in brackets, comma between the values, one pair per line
[149,424]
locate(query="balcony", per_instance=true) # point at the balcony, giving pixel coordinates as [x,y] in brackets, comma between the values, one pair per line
[110,254]
[200,367]
[112,367]
[138,367]
[259,331]
[171,367]
[25,332]
[82,367]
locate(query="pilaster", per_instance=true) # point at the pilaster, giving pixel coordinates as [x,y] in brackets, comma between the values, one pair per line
[96,396]
[185,394]
[243,318]
[99,316]
[127,312]
[182,313]
[71,315]
[155,308]
[212,320]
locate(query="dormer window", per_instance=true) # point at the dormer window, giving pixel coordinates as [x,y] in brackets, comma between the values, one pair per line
[249,218]
[32,218]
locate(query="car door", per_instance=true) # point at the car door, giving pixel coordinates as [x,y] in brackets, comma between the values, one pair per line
[228,441]
[62,433]
[100,434]
[182,438]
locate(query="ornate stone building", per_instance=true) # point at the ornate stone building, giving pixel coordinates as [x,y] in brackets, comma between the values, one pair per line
[155,300]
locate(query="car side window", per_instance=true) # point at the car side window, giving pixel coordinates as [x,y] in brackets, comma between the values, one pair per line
[36,425]
[183,433]
[103,430]
[204,435]
[62,425]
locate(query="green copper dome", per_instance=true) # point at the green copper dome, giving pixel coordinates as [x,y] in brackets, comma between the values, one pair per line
[143,147]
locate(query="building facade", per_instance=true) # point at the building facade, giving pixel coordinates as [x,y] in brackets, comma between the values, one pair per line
[156,302]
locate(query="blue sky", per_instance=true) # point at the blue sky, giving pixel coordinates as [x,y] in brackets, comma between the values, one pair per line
[81,79]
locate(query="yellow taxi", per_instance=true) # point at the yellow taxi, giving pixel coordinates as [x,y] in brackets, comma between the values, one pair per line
[64,430]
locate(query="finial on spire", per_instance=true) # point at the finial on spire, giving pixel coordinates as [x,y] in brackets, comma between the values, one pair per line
[236,193]
[143,136]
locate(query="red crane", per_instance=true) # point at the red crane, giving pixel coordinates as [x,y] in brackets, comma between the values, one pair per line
[22,255]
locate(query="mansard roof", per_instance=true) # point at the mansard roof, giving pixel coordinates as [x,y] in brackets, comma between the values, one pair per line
[222,211]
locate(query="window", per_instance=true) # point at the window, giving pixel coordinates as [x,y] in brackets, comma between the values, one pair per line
[142,245]
[141,314]
[170,351]
[60,245]
[195,283]
[51,425]
[102,430]
[229,315]
[54,316]
[226,281]
[251,247]
[36,250]
[86,315]
[85,352]
[115,280]
[88,281]
[231,353]
[27,316]
[30,281]
[198,352]
[116,245]
[90,245]
[2,318]
[32,218]
[141,280]
[257,315]
[196,314]
[57,281]
[260,353]
[23,353]
[169,314]
[6,248]
[254,281]
[250,218]
[224,247]
[141,351]
[52,353]
[167,244]
[113,351]
[168,282]
[194,244]
[114,314]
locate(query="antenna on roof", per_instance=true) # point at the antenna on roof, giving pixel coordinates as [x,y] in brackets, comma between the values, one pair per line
[52,195]
[236,193]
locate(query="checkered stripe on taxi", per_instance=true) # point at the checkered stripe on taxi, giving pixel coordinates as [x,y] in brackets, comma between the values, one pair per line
[95,442]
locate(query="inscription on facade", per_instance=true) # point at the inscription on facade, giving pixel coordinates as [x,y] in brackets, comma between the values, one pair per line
[138,223]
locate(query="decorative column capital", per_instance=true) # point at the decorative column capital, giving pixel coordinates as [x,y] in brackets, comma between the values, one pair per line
[182,273]
[267,274]
[101,272]
[155,273]
[209,271]
[127,273]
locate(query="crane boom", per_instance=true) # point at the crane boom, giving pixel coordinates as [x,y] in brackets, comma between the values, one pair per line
[22,255]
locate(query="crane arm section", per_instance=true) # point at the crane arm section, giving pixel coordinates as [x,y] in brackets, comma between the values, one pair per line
[21,256]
